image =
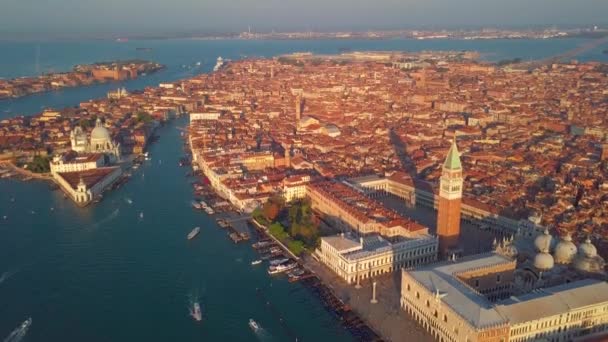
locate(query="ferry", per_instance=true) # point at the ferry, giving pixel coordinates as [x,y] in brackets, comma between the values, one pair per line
[256,262]
[282,268]
[253,325]
[194,233]
[195,312]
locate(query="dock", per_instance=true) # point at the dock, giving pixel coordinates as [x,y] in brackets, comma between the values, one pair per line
[236,225]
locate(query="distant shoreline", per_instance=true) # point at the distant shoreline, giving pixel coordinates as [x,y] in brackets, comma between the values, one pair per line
[492,34]
[80,75]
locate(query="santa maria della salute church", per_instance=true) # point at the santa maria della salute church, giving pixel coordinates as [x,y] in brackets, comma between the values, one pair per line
[100,142]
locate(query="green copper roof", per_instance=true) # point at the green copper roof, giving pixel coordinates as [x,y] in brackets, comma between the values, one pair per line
[452,162]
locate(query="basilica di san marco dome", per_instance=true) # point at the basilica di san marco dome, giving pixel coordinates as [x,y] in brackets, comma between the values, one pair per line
[587,259]
[565,250]
[543,261]
[543,242]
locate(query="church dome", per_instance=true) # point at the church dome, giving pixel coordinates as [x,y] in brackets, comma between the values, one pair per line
[543,261]
[100,133]
[565,250]
[587,249]
[584,264]
[543,242]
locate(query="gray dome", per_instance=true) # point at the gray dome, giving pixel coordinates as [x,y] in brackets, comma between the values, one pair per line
[583,264]
[565,251]
[543,261]
[100,133]
[543,242]
[587,249]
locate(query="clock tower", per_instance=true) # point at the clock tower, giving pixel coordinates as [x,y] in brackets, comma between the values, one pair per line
[450,198]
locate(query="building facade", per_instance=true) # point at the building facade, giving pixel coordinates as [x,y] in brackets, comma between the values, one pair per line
[84,186]
[70,162]
[471,300]
[357,259]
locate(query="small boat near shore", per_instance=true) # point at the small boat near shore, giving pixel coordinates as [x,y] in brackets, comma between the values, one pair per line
[277,262]
[194,233]
[256,262]
[282,268]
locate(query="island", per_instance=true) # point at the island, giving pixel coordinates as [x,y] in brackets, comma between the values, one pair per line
[81,75]
[329,157]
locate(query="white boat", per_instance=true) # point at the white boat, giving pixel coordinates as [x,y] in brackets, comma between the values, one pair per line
[277,262]
[194,233]
[196,205]
[256,262]
[282,268]
[195,312]
[141,215]
[19,333]
[253,325]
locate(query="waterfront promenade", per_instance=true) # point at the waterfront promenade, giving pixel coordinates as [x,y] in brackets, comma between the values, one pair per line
[385,317]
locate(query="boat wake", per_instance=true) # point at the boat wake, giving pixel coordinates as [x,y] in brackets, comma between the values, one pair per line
[107,219]
[19,333]
[7,275]
[262,334]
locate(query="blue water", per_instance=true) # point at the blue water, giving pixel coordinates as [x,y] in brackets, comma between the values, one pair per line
[103,274]
[19,59]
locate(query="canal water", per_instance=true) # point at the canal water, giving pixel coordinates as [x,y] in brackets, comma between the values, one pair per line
[102,273]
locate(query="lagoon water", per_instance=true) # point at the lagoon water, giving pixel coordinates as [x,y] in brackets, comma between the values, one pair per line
[102,273]
[32,58]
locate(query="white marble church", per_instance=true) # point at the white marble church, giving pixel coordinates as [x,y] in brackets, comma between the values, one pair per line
[86,171]
[100,142]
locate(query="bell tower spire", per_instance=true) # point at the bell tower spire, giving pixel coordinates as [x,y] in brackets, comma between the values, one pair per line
[450,200]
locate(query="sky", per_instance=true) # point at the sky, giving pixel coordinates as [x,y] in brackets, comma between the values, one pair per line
[172,16]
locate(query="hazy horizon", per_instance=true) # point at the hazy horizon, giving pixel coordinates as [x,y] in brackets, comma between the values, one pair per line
[156,17]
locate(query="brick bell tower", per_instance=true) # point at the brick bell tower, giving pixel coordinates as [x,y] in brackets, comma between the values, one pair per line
[450,197]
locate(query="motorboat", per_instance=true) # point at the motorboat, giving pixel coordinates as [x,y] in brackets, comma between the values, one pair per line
[253,325]
[195,312]
[194,233]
